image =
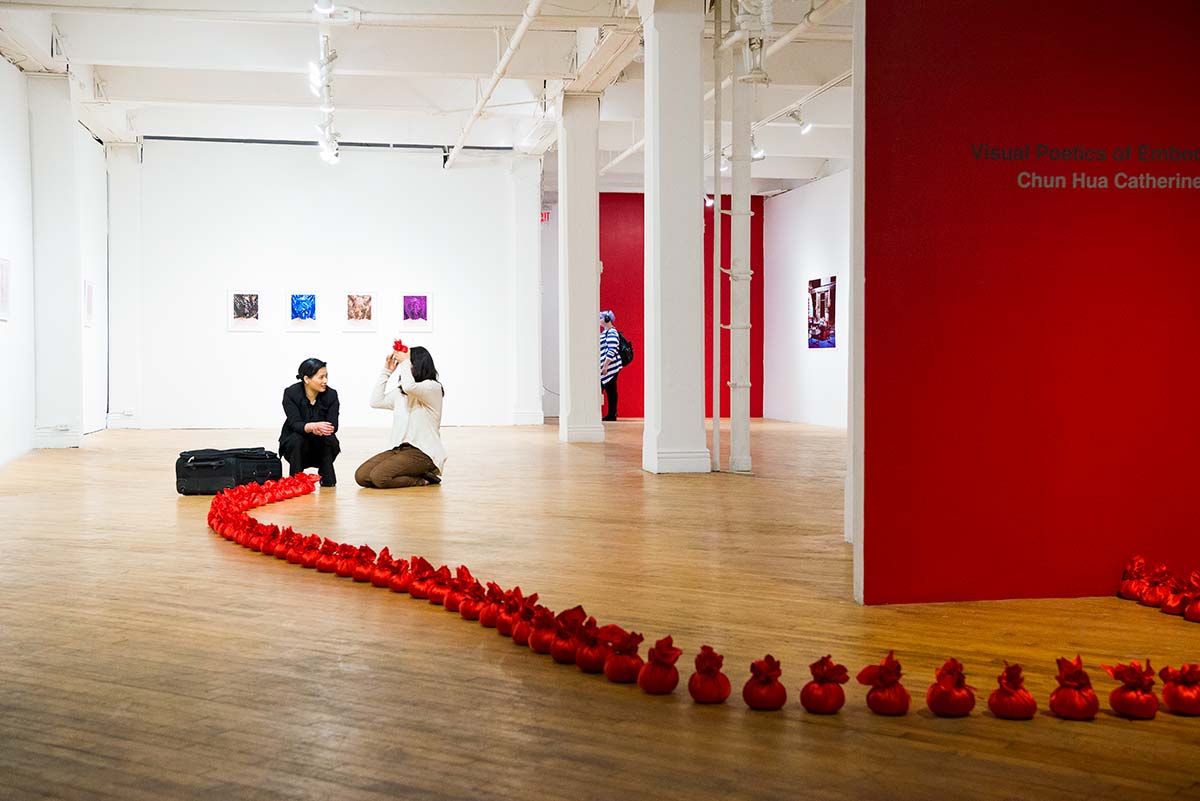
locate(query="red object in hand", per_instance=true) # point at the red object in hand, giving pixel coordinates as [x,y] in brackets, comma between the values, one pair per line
[1074,699]
[1181,689]
[764,691]
[622,664]
[399,346]
[708,685]
[1135,698]
[1011,701]
[659,676]
[950,696]
[887,695]
[824,694]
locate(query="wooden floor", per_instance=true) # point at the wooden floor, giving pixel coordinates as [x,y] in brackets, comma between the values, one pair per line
[143,657]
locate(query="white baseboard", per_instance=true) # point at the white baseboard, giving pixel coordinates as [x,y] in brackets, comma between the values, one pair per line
[690,461]
[528,418]
[57,439]
[122,421]
[581,433]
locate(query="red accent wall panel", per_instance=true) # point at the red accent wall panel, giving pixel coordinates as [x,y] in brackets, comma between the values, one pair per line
[1032,354]
[622,227]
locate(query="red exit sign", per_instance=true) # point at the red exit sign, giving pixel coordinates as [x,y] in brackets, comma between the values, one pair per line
[545,216]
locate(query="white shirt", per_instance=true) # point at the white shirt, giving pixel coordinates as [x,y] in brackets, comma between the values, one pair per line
[417,419]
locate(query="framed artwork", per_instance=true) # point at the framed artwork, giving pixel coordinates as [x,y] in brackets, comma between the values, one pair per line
[361,314]
[89,304]
[416,313]
[302,312]
[822,312]
[5,289]
[243,311]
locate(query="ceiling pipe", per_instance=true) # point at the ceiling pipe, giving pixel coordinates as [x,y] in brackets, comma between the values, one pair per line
[514,44]
[811,20]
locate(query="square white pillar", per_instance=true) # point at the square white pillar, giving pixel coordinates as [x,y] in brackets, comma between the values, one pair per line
[674,436]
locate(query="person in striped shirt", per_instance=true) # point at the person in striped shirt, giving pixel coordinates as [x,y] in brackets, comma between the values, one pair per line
[610,362]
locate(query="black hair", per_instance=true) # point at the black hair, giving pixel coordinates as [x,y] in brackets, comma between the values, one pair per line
[308,368]
[423,368]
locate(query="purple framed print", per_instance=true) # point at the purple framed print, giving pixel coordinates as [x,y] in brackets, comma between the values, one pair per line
[416,312]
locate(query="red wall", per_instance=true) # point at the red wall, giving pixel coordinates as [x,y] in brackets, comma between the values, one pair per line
[622,227]
[1031,356]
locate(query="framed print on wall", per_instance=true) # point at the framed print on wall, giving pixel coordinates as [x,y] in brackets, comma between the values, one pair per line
[243,311]
[361,314]
[5,289]
[416,312]
[302,312]
[822,316]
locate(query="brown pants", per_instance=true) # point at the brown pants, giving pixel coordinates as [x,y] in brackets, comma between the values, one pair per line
[402,466]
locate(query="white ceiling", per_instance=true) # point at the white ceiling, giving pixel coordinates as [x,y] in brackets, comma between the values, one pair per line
[408,72]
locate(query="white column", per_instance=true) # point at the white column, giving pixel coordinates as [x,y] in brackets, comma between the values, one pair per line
[739,279]
[855,311]
[673,352]
[125,284]
[526,178]
[58,268]
[579,270]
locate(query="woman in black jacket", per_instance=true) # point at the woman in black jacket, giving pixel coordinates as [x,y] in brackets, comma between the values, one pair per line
[309,434]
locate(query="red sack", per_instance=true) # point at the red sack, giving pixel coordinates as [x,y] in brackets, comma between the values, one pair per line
[327,561]
[1074,699]
[1192,611]
[1133,580]
[385,567]
[364,563]
[541,636]
[1011,701]
[439,585]
[287,539]
[562,649]
[1181,689]
[422,573]
[659,676]
[950,696]
[346,560]
[523,620]
[295,554]
[1135,698]
[708,685]
[462,580]
[763,691]
[312,551]
[269,541]
[402,578]
[472,602]
[590,650]
[514,599]
[622,664]
[489,613]
[824,694]
[1157,586]
[887,695]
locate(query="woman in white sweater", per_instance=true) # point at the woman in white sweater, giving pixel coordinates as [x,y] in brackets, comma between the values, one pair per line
[417,455]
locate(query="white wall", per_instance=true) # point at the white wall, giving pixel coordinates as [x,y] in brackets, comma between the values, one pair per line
[806,235]
[91,177]
[275,219]
[550,391]
[16,245]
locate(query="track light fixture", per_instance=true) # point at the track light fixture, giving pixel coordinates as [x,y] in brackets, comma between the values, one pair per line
[756,152]
[805,126]
[708,201]
[323,7]
[320,81]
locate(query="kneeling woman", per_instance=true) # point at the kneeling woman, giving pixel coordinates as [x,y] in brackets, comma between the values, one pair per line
[309,435]
[417,455]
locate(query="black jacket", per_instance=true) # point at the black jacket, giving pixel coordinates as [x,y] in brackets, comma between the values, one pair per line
[300,412]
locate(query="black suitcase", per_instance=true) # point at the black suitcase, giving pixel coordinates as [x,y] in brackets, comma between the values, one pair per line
[207,472]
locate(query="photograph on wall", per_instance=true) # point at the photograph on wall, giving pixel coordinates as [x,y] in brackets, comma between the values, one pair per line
[360,312]
[302,312]
[822,303]
[5,289]
[416,313]
[244,311]
[89,304]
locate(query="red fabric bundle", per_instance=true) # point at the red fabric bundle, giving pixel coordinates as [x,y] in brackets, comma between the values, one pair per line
[1192,611]
[541,635]
[364,563]
[659,676]
[622,664]
[1074,699]
[1157,586]
[399,346]
[1135,698]
[763,691]
[1011,701]
[1133,580]
[1180,594]
[385,567]
[422,573]
[327,561]
[346,562]
[523,623]
[311,551]
[462,580]
[439,585]
[295,552]
[950,696]
[254,541]
[489,613]
[269,541]
[287,539]
[402,578]
[708,685]
[473,599]
[824,694]
[590,648]
[1181,689]
[562,649]
[887,695]
[514,599]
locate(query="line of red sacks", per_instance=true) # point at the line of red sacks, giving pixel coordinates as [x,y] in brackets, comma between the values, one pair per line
[574,637]
[1158,587]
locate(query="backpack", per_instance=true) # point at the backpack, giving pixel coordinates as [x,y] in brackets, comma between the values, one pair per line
[625,348]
